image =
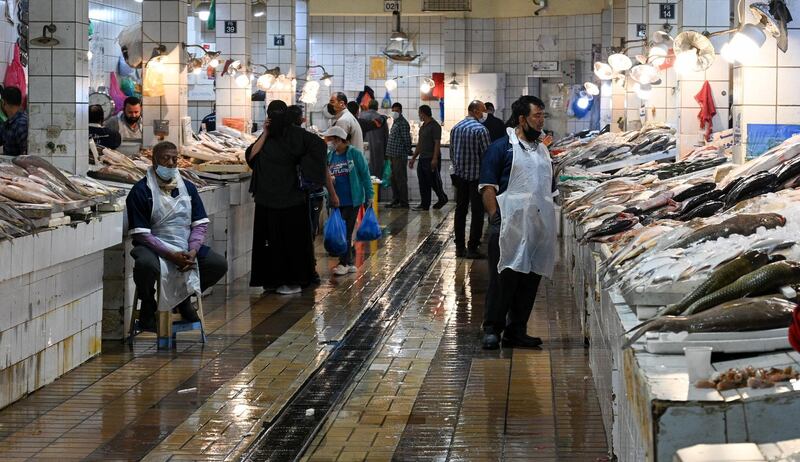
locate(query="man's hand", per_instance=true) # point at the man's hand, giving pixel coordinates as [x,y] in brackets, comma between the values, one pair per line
[548,140]
[434,163]
[411,163]
[183,260]
[333,201]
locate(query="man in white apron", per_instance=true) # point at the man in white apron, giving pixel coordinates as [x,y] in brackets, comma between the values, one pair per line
[168,224]
[516,186]
[128,123]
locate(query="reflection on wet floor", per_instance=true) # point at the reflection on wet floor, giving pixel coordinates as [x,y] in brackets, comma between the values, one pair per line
[426,392]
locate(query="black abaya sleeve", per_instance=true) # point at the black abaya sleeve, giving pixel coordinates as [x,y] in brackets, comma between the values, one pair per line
[314,161]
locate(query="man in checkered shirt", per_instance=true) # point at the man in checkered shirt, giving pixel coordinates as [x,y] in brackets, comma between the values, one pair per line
[469,139]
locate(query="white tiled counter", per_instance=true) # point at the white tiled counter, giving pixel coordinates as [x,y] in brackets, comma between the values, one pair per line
[230,210]
[51,295]
[780,451]
[649,408]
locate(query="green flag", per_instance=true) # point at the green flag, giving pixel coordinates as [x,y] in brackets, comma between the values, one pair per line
[211,24]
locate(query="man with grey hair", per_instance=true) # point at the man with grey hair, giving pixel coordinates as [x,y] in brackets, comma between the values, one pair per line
[376,133]
[345,119]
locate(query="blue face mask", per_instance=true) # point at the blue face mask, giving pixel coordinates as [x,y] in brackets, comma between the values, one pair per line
[166,173]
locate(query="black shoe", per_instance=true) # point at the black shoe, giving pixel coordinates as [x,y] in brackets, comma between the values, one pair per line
[147,322]
[187,311]
[491,342]
[403,205]
[392,205]
[461,252]
[473,254]
[440,204]
[420,208]
[521,341]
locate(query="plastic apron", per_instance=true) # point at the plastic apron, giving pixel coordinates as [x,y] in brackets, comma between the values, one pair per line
[528,226]
[171,223]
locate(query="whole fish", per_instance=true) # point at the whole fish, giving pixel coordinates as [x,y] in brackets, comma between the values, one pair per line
[31,163]
[742,315]
[766,278]
[743,224]
[787,170]
[744,190]
[612,227]
[689,203]
[20,194]
[116,173]
[721,277]
[702,211]
[653,203]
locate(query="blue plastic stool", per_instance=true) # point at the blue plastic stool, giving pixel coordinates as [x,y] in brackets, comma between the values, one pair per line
[167,330]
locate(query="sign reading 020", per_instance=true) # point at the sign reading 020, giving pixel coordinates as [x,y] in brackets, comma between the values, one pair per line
[390,6]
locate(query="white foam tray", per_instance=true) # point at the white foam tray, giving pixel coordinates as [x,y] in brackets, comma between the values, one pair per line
[721,342]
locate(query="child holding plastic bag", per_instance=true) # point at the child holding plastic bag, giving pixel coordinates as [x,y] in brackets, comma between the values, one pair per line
[352,187]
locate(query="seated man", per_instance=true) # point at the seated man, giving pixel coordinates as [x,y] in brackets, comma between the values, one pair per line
[101,135]
[168,223]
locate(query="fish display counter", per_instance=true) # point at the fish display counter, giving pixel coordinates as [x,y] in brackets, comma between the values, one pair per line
[698,253]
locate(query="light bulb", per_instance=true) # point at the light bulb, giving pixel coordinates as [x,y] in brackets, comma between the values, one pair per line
[265,82]
[214,63]
[203,10]
[583,102]
[242,80]
[686,62]
[425,86]
[326,82]
[744,45]
[390,84]
[643,91]
[203,15]
[197,70]
[658,54]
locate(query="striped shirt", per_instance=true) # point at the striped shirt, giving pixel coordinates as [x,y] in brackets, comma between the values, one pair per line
[399,144]
[469,139]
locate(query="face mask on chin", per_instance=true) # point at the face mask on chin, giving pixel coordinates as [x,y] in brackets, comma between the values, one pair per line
[131,120]
[531,134]
[331,110]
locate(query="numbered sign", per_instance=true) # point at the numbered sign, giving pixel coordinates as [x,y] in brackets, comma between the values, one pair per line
[390,6]
[278,40]
[230,27]
[666,11]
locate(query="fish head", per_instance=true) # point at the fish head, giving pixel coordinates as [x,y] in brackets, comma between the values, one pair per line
[772,220]
[757,258]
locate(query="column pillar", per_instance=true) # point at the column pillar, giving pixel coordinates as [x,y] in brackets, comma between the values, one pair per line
[619,31]
[233,100]
[164,23]
[58,84]
[281,23]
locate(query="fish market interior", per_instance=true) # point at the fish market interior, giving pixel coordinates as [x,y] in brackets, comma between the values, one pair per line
[400,230]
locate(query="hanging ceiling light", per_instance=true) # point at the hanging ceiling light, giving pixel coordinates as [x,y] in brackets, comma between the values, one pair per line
[390,84]
[400,46]
[603,71]
[642,90]
[259,9]
[203,10]
[620,62]
[584,99]
[744,45]
[310,92]
[658,54]
[426,85]
[453,83]
[644,73]
[591,88]
[693,52]
[242,79]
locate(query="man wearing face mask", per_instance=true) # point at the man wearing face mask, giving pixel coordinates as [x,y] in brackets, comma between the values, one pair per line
[128,123]
[168,224]
[468,141]
[517,189]
[337,106]
[398,148]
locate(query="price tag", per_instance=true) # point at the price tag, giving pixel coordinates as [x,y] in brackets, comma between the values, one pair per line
[230,27]
[390,6]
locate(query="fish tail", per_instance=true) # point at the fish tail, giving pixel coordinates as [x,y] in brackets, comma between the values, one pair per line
[646,327]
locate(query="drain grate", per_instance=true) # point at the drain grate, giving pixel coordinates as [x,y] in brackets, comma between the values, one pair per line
[293,430]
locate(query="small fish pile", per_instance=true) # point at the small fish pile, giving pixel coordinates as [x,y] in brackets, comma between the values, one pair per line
[611,147]
[749,314]
[223,146]
[748,377]
[776,157]
[33,180]
[13,223]
[573,141]
[119,168]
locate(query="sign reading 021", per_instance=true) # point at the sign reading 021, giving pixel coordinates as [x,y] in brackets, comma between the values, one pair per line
[390,6]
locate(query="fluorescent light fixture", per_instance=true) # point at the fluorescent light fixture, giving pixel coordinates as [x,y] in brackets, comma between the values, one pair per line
[203,10]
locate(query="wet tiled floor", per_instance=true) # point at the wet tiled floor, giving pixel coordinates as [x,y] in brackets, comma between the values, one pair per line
[426,392]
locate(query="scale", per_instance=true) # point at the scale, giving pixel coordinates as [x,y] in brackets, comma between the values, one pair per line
[104,100]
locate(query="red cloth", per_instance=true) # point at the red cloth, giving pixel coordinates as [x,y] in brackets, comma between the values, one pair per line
[794,330]
[438,88]
[15,76]
[707,108]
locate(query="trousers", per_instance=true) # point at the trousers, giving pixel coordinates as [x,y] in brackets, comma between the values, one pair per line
[147,270]
[399,180]
[468,199]
[429,179]
[510,295]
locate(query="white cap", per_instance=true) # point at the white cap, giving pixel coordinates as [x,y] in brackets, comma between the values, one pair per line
[336,131]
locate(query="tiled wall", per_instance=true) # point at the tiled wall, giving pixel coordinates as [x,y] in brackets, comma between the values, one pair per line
[232,100]
[109,18]
[8,37]
[765,91]
[710,15]
[618,98]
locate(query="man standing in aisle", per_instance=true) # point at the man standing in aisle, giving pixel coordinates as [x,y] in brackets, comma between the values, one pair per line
[468,142]
[429,152]
[397,150]
[14,131]
[345,119]
[496,127]
[128,123]
[516,185]
[376,132]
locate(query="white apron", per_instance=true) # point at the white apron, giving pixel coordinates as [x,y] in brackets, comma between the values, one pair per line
[528,226]
[171,223]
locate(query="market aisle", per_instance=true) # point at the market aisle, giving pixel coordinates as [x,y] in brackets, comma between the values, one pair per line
[203,402]
[431,392]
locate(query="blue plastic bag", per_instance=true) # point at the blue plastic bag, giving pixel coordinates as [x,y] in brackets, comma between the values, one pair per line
[335,234]
[369,230]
